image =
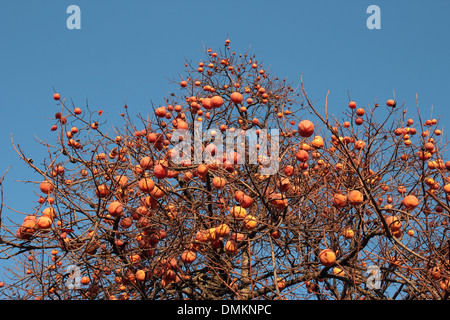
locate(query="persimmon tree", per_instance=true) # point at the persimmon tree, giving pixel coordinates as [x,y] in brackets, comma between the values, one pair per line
[348,206]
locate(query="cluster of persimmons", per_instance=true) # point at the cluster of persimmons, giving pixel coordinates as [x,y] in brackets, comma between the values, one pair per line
[350,192]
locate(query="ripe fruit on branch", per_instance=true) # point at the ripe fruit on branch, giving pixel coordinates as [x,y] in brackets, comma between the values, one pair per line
[338,272]
[317,142]
[44,222]
[126,222]
[49,212]
[348,233]
[435,272]
[327,257]
[239,194]
[360,144]
[146,163]
[206,103]
[146,184]
[352,105]
[202,170]
[391,103]
[160,112]
[85,280]
[339,200]
[278,200]
[302,155]
[28,228]
[250,222]
[281,284]
[171,211]
[140,275]
[238,212]
[157,192]
[188,256]
[288,170]
[46,187]
[57,96]
[150,202]
[160,171]
[305,128]
[231,246]
[115,208]
[238,237]
[360,112]
[359,121]
[236,97]
[122,181]
[135,259]
[355,198]
[201,236]
[410,202]
[216,101]
[223,230]
[244,200]
[275,234]
[102,191]
[213,238]
[447,188]
[219,182]
[394,223]
[284,184]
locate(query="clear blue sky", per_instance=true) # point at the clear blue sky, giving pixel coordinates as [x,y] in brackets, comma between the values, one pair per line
[129,50]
